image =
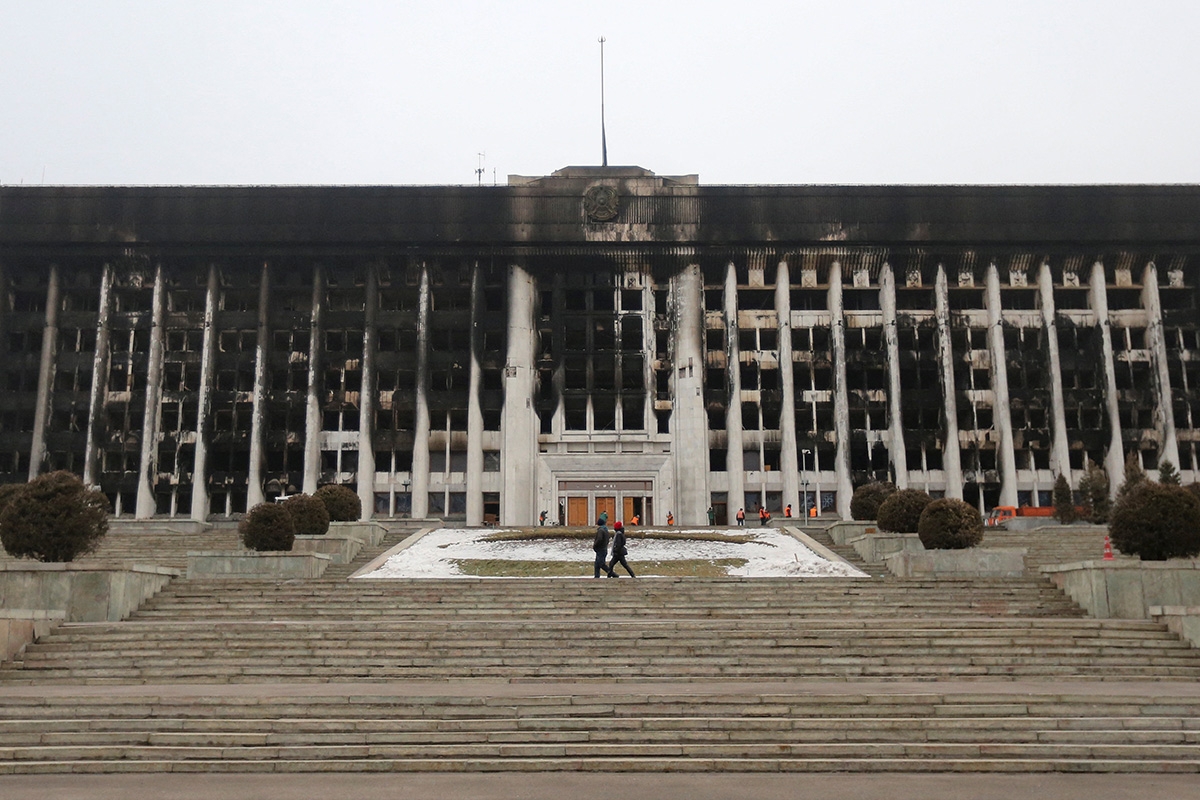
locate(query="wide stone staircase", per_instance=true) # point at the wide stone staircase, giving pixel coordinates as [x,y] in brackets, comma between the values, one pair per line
[639,675]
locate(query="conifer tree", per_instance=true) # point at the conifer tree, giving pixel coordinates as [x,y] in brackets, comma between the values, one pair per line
[1134,474]
[1064,503]
[1093,488]
[1168,474]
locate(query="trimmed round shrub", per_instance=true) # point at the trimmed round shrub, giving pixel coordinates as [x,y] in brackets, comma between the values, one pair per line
[8,491]
[900,512]
[949,524]
[268,526]
[1156,521]
[341,502]
[54,517]
[864,504]
[309,515]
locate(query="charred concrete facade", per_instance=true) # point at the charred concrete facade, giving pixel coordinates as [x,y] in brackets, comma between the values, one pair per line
[602,338]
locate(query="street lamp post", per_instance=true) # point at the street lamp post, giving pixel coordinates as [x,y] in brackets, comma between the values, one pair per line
[406,483]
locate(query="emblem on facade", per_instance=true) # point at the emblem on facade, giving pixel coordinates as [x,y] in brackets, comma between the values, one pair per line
[600,203]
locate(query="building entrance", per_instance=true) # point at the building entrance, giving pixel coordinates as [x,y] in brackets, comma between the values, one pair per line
[584,501]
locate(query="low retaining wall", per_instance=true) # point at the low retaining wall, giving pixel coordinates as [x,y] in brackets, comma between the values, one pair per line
[1128,589]
[973,562]
[1183,621]
[243,563]
[173,525]
[35,597]
[340,547]
[876,547]
[843,532]
[20,626]
[83,592]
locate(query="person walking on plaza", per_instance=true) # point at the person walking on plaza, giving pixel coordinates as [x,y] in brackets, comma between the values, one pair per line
[600,547]
[619,552]
[741,518]
[670,518]
[787,511]
[762,516]
[712,516]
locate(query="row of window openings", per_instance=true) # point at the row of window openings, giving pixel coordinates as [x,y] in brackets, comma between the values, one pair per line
[601,300]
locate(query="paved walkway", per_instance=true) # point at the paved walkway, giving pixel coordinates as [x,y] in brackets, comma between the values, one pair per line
[595,786]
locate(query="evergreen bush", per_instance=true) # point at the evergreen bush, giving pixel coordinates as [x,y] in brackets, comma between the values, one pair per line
[268,526]
[309,515]
[1157,521]
[900,512]
[54,517]
[864,504]
[949,524]
[1064,501]
[341,502]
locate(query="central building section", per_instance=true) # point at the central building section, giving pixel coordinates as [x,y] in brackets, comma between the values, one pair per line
[594,334]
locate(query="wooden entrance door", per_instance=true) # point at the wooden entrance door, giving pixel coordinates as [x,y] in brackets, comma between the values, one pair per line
[629,510]
[577,511]
[608,504]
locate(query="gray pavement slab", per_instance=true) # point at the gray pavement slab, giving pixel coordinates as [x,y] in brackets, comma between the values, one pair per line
[593,786]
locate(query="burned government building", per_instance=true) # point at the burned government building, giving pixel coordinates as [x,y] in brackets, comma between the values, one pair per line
[600,338]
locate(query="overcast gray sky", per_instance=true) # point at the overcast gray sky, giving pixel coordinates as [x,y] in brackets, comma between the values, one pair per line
[852,91]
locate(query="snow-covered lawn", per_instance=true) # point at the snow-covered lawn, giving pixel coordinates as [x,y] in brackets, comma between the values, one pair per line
[769,554]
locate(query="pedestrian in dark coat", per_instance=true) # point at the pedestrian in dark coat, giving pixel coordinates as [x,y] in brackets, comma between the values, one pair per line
[600,546]
[619,552]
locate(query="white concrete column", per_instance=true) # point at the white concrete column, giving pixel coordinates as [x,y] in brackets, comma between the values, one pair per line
[258,412]
[951,455]
[788,462]
[1060,461]
[1001,408]
[204,404]
[689,422]
[1114,460]
[98,396]
[474,411]
[897,452]
[1157,342]
[519,428]
[41,412]
[148,467]
[841,394]
[366,397]
[420,454]
[734,459]
[312,408]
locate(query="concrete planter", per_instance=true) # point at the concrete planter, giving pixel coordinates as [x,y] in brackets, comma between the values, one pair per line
[370,533]
[876,547]
[1127,589]
[341,548]
[974,562]
[843,532]
[248,563]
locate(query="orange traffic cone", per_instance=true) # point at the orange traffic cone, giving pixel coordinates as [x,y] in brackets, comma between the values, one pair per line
[1108,555]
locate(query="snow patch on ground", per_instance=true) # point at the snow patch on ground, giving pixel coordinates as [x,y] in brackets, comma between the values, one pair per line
[771,554]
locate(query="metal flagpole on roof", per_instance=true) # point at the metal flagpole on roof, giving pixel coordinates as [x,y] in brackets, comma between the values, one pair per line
[603,136]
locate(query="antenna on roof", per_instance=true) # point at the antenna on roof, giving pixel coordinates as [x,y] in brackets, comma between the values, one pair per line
[479,169]
[603,137]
